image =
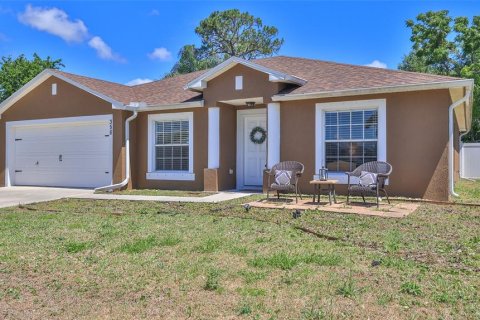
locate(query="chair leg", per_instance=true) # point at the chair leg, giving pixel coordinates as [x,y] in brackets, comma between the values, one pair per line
[268,194]
[300,193]
[363,197]
[378,201]
[278,195]
[386,194]
[348,196]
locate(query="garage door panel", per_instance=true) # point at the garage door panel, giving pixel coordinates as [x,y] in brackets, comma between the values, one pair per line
[63,154]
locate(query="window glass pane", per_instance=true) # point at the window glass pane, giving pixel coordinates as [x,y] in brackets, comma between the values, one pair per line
[357,149]
[357,117]
[172,150]
[331,149]
[371,116]
[344,117]
[344,132]
[330,118]
[357,132]
[370,149]
[331,133]
[344,164]
[344,149]
[332,164]
[371,131]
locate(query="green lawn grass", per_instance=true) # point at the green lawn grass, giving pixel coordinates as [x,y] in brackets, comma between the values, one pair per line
[88,259]
[468,190]
[158,192]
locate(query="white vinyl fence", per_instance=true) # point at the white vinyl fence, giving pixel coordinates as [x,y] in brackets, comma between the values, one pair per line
[470,160]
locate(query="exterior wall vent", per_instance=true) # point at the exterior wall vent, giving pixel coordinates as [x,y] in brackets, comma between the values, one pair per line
[238,82]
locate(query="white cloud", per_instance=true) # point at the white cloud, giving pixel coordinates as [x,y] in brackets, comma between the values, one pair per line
[103,50]
[137,81]
[154,12]
[161,54]
[3,37]
[377,64]
[54,21]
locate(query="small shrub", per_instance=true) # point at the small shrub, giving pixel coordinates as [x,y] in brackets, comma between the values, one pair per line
[392,241]
[411,288]
[347,289]
[213,280]
[313,313]
[244,309]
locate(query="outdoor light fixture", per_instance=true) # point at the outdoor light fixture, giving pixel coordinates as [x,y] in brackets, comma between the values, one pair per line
[250,104]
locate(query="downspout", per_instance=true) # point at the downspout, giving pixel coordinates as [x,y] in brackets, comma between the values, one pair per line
[122,184]
[451,173]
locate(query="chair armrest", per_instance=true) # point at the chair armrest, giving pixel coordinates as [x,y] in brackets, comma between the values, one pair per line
[348,173]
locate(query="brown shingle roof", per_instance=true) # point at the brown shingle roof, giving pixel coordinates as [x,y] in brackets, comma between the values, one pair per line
[331,76]
[320,75]
[116,91]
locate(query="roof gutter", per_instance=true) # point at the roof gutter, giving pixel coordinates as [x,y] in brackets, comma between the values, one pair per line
[465,99]
[122,184]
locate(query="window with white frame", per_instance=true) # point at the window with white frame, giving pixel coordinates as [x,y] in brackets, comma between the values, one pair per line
[350,138]
[349,133]
[170,146]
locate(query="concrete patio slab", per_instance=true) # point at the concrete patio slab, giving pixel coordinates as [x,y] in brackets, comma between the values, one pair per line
[218,197]
[13,196]
[394,210]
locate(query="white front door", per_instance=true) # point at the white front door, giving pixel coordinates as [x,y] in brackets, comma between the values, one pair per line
[61,154]
[253,156]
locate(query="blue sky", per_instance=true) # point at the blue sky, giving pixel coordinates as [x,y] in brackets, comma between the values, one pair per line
[124,41]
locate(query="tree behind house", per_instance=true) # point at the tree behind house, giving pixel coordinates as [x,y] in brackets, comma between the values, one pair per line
[225,34]
[14,73]
[446,46]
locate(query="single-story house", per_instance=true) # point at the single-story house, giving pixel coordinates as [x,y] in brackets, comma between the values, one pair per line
[218,129]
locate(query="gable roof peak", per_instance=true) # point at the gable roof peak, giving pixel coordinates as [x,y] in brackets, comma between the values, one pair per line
[200,82]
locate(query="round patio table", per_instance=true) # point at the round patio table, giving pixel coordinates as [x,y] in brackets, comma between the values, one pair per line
[330,184]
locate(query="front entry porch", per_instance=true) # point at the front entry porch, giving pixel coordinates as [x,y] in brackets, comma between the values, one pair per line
[242,142]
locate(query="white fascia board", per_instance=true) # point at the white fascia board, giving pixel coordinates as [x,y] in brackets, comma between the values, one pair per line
[364,91]
[274,76]
[171,106]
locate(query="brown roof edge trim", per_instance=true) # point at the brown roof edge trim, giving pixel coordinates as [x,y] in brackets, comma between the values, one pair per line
[377,90]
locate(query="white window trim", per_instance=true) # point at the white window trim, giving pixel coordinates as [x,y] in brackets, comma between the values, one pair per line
[169,175]
[379,104]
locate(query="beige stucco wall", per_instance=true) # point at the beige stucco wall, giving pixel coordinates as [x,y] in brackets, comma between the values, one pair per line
[417,140]
[69,102]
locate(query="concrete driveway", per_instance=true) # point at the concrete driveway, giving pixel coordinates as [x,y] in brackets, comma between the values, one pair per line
[13,196]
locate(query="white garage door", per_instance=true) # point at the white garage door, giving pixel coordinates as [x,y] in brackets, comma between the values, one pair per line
[75,152]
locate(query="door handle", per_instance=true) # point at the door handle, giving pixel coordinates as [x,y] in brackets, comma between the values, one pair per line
[60,158]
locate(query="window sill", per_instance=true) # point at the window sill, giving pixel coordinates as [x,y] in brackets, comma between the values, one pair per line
[178,176]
